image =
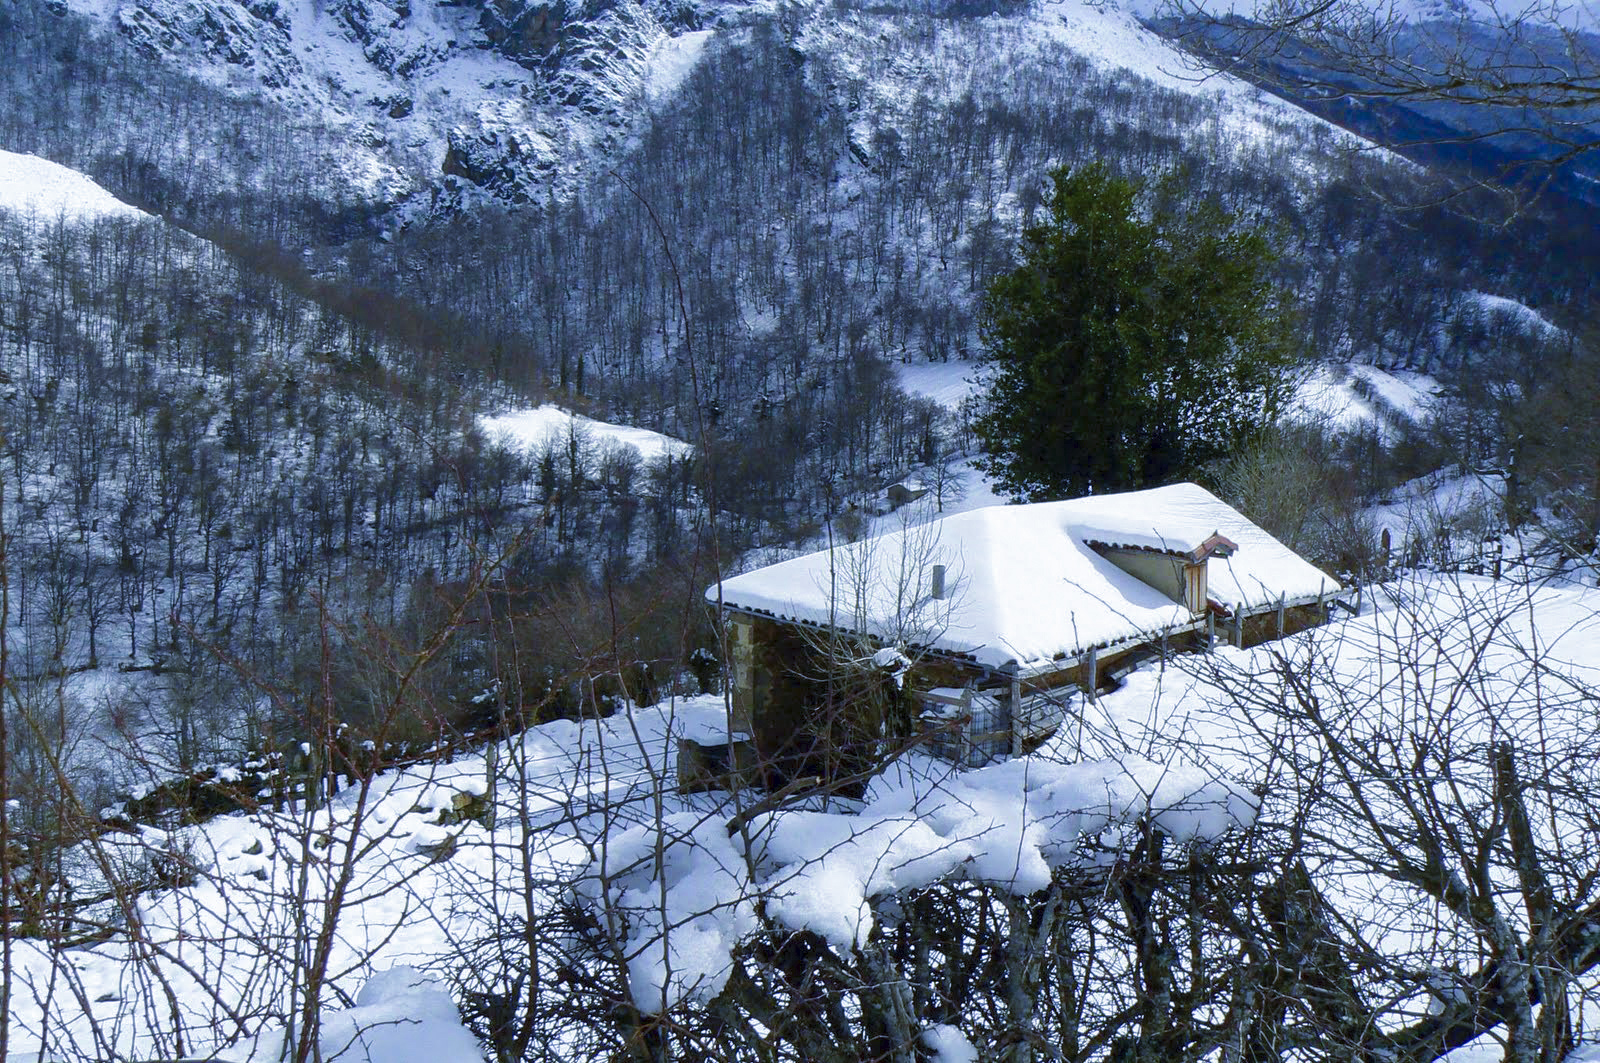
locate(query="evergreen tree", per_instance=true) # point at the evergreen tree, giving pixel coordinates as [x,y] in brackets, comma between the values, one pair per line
[1139,339]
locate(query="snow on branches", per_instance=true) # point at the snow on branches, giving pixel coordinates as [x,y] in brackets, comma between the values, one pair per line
[690,891]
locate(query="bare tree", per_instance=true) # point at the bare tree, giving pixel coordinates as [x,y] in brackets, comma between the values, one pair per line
[1427,839]
[946,478]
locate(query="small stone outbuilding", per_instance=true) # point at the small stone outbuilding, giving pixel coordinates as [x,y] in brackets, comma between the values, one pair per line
[904,492]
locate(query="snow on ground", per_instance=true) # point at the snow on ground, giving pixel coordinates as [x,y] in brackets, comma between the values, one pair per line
[599,793]
[427,886]
[39,188]
[947,383]
[1438,507]
[1372,734]
[947,1044]
[923,820]
[1428,623]
[966,486]
[1350,398]
[401,1015]
[1409,394]
[531,428]
[1530,320]
[1114,39]
[671,62]
[397,84]
[1589,1053]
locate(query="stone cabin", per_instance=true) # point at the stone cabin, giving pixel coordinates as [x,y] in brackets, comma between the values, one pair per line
[905,492]
[994,621]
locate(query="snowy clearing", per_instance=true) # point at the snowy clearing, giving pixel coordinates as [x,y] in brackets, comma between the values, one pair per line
[532,428]
[1438,506]
[36,187]
[947,383]
[1499,308]
[671,62]
[1352,398]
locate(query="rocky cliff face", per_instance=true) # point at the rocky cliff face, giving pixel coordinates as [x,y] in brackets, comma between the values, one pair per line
[437,101]
[540,34]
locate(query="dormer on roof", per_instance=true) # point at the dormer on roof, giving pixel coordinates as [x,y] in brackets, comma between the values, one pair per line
[1175,567]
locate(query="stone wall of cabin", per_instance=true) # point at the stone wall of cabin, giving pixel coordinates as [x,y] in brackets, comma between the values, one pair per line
[746,688]
[806,714]
[803,721]
[1263,627]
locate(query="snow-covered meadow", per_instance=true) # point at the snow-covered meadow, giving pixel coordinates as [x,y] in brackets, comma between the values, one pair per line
[534,427]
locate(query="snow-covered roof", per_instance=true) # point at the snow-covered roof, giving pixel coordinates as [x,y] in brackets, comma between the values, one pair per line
[1024,585]
[1187,543]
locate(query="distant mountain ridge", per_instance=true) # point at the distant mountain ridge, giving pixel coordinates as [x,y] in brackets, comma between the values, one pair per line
[1488,117]
[442,105]
[1577,16]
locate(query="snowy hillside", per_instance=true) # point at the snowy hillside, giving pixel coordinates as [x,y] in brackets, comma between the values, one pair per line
[175,412]
[561,872]
[836,184]
[443,104]
[40,189]
[511,98]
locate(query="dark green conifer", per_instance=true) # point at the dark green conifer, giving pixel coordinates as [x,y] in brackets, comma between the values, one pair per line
[1139,339]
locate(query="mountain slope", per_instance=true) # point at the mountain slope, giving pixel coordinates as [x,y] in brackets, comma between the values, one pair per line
[440,105]
[511,97]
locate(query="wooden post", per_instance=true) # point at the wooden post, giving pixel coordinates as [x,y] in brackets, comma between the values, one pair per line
[1238,629]
[1163,649]
[1211,631]
[1091,675]
[313,785]
[1013,710]
[1280,616]
[491,763]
